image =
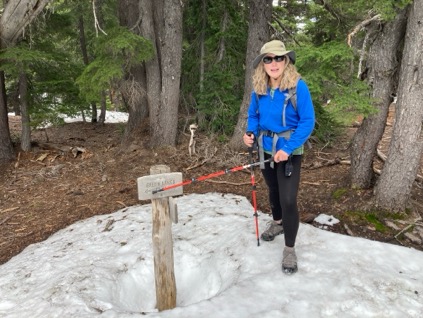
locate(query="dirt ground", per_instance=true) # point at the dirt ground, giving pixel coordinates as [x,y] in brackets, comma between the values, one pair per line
[80,170]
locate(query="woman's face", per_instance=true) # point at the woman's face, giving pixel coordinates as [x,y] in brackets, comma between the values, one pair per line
[274,65]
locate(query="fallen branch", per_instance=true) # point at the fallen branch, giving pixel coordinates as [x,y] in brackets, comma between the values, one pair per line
[25,234]
[227,182]
[311,183]
[197,165]
[8,218]
[233,183]
[50,146]
[75,151]
[9,209]
[332,162]
[407,228]
[121,203]
[347,228]
[202,162]
[317,183]
[18,160]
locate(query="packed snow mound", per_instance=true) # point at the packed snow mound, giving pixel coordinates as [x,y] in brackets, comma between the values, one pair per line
[104,266]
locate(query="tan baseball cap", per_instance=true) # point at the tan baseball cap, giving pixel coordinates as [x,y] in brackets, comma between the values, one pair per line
[274,47]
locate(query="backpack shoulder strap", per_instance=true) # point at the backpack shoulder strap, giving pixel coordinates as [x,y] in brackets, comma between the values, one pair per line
[291,96]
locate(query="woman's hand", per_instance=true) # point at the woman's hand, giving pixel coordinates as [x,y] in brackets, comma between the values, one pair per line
[248,139]
[280,155]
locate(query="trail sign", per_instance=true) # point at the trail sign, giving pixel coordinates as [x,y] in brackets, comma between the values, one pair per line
[147,184]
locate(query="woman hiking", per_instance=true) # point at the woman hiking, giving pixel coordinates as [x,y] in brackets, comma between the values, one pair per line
[280,119]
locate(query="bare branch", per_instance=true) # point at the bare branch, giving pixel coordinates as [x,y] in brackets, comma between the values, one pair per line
[275,17]
[361,25]
[96,24]
[328,8]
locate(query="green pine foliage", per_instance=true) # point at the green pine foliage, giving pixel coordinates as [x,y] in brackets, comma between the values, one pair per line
[329,65]
[329,71]
[388,9]
[60,83]
[215,100]
[115,53]
[337,18]
[46,55]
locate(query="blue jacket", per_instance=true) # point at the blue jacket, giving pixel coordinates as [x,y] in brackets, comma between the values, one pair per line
[267,115]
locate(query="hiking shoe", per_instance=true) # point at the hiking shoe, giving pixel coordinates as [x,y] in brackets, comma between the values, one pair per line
[272,230]
[289,261]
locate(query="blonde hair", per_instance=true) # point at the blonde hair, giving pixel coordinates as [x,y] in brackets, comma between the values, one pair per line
[289,79]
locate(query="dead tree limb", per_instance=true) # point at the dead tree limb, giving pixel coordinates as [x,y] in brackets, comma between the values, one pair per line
[320,164]
[360,26]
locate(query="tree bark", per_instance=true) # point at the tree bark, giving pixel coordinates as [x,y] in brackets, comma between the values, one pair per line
[258,34]
[405,150]
[161,22]
[103,107]
[222,42]
[6,147]
[383,73]
[133,87]
[83,46]
[152,67]
[171,58]
[202,43]
[16,16]
[99,7]
[26,129]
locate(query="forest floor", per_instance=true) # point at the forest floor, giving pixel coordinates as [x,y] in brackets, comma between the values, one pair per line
[79,170]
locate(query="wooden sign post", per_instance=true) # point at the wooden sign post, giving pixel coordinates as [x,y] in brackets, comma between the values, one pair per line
[164,272]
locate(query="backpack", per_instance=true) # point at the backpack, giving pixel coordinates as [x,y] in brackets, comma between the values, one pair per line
[290,96]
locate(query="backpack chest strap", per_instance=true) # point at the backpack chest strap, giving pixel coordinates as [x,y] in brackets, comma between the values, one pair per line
[275,137]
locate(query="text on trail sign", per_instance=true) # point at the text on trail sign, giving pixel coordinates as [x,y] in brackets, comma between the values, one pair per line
[148,184]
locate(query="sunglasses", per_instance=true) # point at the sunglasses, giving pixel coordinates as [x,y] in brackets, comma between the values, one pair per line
[269,59]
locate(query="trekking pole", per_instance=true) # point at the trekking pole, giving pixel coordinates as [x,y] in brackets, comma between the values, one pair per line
[211,175]
[253,186]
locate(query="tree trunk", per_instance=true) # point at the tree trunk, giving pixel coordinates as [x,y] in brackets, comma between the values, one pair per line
[102,118]
[93,112]
[258,34]
[170,43]
[134,89]
[202,44]
[83,46]
[26,129]
[16,16]
[13,100]
[99,7]
[152,67]
[161,23]
[383,65]
[222,42]
[6,147]
[405,150]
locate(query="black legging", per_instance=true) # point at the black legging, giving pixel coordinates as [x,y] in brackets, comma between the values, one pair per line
[283,195]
